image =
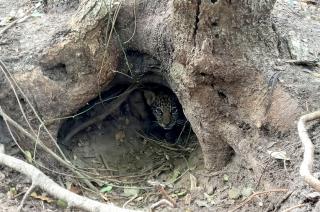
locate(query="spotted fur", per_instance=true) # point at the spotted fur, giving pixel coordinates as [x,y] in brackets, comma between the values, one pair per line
[164,107]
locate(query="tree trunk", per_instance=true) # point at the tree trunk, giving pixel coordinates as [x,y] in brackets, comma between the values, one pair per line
[227,61]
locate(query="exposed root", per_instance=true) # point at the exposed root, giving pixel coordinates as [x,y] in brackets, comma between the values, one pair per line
[308,155]
[39,179]
[255,194]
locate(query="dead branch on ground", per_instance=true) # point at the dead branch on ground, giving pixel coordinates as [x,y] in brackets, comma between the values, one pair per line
[161,202]
[39,179]
[294,207]
[45,148]
[308,155]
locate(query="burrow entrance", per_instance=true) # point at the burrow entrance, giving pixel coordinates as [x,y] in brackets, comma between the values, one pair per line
[134,131]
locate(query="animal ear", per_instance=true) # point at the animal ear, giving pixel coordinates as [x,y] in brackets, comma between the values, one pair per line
[150,97]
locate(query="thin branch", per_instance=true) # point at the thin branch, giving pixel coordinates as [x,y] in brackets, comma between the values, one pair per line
[26,195]
[113,105]
[46,149]
[135,23]
[294,207]
[130,200]
[161,202]
[39,179]
[10,78]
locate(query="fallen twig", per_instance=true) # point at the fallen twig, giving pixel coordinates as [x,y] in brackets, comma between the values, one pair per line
[167,196]
[25,196]
[39,179]
[130,200]
[277,206]
[113,105]
[45,148]
[13,83]
[255,194]
[308,155]
[161,202]
[311,63]
[294,207]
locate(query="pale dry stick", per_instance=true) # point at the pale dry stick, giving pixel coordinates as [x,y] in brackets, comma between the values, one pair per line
[20,19]
[308,155]
[294,207]
[180,134]
[109,14]
[12,136]
[114,105]
[82,112]
[167,196]
[9,77]
[114,18]
[42,181]
[255,194]
[46,149]
[161,202]
[159,143]
[125,56]
[277,206]
[26,195]
[213,174]
[130,200]
[135,23]
[36,144]
[262,173]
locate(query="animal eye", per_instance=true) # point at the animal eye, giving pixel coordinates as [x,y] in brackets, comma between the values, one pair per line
[158,111]
[174,109]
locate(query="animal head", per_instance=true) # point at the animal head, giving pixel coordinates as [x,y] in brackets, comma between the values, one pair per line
[164,108]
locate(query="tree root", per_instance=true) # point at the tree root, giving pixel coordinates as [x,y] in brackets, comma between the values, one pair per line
[39,179]
[308,155]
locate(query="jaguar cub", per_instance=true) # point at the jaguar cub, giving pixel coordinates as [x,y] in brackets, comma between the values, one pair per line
[165,108]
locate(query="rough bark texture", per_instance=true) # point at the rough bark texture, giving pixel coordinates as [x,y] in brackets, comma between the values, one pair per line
[219,57]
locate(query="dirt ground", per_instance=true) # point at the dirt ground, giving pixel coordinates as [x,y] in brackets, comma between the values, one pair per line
[130,165]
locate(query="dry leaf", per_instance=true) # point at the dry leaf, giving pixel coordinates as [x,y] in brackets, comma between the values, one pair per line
[281,155]
[41,197]
[75,189]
